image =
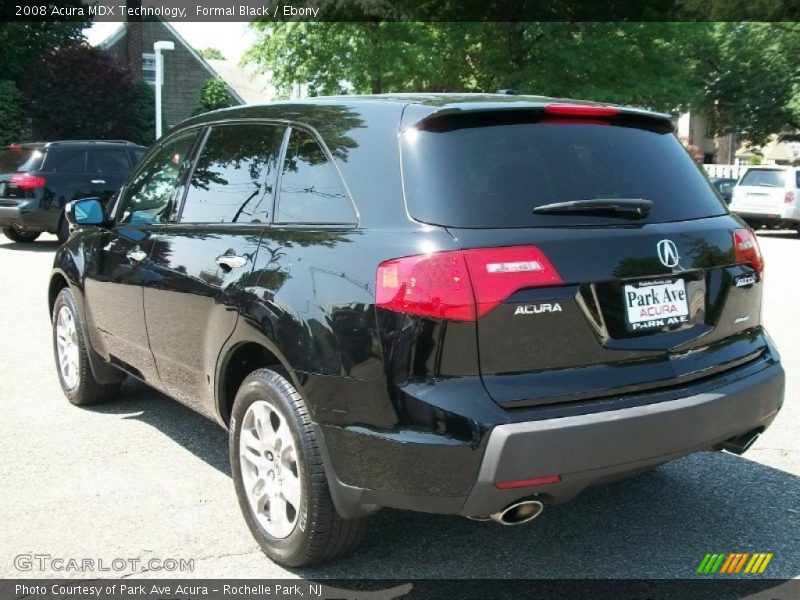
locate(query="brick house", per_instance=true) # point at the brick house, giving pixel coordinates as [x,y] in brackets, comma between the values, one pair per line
[185,71]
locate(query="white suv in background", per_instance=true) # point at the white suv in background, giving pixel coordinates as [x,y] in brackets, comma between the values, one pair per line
[769,196]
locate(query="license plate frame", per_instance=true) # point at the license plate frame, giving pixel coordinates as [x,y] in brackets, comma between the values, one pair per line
[655,304]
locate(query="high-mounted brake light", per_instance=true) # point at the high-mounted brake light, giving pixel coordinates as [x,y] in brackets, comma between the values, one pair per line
[746,249]
[580,110]
[461,285]
[27,182]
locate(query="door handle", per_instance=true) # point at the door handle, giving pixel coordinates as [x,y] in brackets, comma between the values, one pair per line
[137,255]
[231,261]
[98,180]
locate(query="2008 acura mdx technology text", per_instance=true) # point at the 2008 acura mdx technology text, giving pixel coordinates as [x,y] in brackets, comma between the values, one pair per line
[473,305]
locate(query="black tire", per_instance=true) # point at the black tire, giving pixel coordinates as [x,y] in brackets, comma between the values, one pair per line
[62,231]
[320,533]
[22,237]
[87,390]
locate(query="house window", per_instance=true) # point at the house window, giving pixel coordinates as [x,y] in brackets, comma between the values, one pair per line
[149,68]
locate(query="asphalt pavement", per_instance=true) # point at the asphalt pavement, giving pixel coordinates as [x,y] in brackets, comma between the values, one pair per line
[145,478]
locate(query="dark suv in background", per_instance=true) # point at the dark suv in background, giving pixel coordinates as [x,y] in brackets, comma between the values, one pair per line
[38,179]
[474,305]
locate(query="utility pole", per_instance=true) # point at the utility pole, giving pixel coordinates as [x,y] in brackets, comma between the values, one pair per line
[158,47]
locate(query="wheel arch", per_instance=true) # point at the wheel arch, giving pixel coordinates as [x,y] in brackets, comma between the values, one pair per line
[58,281]
[238,361]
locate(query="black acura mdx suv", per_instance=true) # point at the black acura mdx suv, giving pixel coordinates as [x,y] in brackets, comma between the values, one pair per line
[38,179]
[458,304]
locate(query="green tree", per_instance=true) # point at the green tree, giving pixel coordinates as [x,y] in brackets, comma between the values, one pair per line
[213,95]
[753,80]
[13,115]
[651,64]
[143,114]
[79,92]
[211,53]
[21,44]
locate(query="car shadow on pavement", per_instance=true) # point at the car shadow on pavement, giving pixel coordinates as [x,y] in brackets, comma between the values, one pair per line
[38,246]
[197,434]
[655,525]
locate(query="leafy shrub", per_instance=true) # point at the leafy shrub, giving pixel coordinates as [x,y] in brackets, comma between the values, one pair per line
[80,92]
[213,95]
[13,117]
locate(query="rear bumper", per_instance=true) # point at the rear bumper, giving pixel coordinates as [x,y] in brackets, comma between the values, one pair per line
[26,215]
[438,474]
[589,449]
[786,215]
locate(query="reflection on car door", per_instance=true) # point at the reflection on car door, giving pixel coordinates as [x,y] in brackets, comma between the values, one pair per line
[118,266]
[203,260]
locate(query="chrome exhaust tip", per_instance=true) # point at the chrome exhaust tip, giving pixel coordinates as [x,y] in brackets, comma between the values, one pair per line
[740,444]
[518,513]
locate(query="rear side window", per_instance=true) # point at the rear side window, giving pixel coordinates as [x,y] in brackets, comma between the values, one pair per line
[234,178]
[491,171]
[17,158]
[109,161]
[765,177]
[61,159]
[310,189]
[138,155]
[797,179]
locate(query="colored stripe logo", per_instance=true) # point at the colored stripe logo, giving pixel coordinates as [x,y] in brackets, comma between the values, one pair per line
[734,562]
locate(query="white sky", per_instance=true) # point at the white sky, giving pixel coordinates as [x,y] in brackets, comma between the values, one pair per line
[232,39]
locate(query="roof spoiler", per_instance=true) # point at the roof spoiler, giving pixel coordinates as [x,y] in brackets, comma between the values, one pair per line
[556,110]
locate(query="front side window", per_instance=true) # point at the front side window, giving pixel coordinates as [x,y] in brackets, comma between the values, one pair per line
[151,195]
[310,189]
[234,177]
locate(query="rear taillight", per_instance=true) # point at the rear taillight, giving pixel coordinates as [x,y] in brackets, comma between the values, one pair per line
[789,197]
[430,285]
[26,182]
[461,285]
[746,249]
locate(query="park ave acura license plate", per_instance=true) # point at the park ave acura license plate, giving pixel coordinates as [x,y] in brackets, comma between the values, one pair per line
[656,304]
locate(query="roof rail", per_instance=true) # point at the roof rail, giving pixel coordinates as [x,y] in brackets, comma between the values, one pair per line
[88,142]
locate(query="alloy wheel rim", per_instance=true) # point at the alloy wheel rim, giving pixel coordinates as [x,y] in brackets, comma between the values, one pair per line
[270,469]
[67,348]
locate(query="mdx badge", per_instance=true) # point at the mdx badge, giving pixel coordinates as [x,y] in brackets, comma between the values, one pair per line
[535,309]
[668,253]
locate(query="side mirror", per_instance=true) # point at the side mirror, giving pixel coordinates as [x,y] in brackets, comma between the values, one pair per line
[87,211]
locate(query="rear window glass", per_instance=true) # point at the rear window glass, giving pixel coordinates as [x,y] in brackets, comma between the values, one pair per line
[493,171]
[22,159]
[765,177]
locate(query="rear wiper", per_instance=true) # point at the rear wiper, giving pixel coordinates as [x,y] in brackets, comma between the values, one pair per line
[637,207]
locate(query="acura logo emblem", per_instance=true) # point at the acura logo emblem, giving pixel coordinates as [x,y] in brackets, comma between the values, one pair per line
[668,253]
